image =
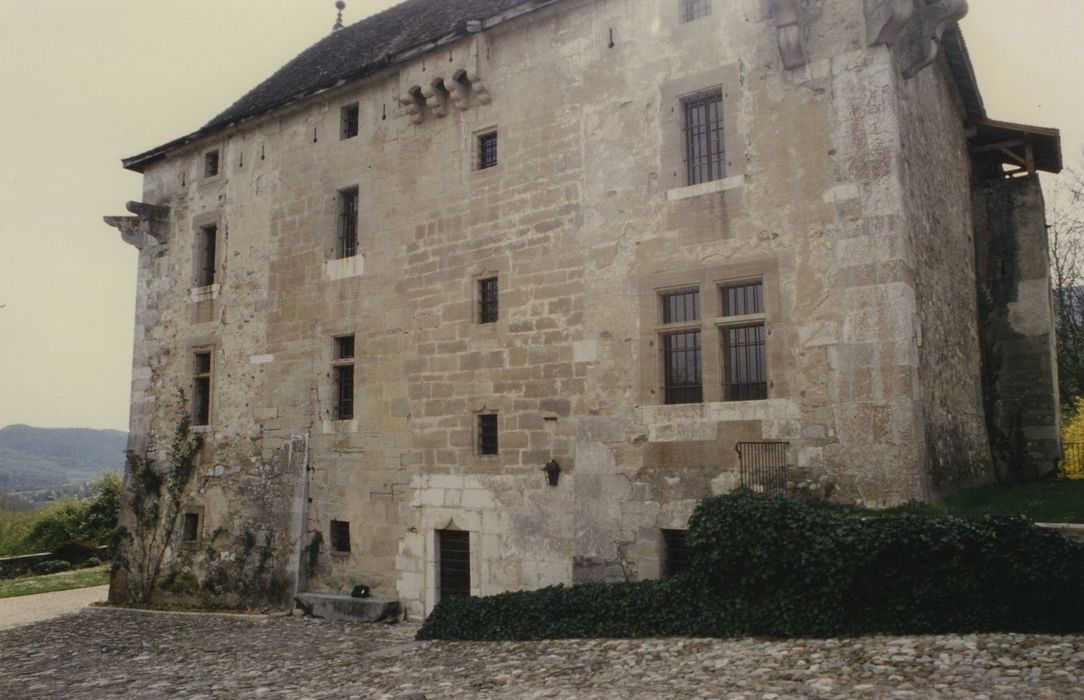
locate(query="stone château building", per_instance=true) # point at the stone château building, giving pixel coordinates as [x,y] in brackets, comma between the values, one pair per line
[485,295]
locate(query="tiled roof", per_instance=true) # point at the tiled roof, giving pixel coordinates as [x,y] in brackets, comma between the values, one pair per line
[350,53]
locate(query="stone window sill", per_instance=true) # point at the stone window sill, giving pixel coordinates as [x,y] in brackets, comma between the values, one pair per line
[727,183]
[345,268]
[204,293]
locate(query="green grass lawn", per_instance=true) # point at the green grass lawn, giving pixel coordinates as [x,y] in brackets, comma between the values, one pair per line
[1044,502]
[66,580]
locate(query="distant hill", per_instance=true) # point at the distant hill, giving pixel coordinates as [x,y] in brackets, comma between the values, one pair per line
[46,458]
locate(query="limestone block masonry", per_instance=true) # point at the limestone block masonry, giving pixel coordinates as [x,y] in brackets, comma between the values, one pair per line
[345,394]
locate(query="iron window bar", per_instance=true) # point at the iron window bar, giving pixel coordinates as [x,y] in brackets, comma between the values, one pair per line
[694,9]
[347,244]
[488,309]
[487,150]
[487,434]
[745,375]
[763,466]
[681,361]
[705,153]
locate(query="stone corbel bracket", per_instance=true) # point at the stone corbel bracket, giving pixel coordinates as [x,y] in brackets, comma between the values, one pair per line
[921,37]
[435,94]
[149,222]
[885,19]
[479,88]
[788,19]
[413,102]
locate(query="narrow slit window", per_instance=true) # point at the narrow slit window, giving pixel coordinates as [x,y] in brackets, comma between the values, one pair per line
[487,434]
[705,154]
[201,389]
[487,150]
[488,309]
[340,536]
[342,370]
[207,247]
[348,121]
[347,242]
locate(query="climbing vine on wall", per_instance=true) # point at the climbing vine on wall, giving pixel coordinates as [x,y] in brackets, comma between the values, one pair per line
[153,501]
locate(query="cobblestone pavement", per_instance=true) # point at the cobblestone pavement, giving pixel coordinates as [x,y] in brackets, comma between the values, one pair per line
[100,653]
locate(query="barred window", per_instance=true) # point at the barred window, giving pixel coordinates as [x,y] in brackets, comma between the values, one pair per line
[206,251]
[683,382]
[488,310]
[694,9]
[487,150]
[347,242]
[348,121]
[343,373]
[744,347]
[487,434]
[676,552]
[201,389]
[705,154]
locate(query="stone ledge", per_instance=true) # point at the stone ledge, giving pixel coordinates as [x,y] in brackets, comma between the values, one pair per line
[727,183]
[342,607]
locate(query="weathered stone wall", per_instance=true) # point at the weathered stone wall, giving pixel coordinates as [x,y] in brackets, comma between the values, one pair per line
[935,174]
[1020,377]
[584,220]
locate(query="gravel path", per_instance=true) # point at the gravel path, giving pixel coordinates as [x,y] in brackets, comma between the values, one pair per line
[26,609]
[101,653]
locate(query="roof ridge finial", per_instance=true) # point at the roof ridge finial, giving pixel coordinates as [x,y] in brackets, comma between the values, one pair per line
[340,5]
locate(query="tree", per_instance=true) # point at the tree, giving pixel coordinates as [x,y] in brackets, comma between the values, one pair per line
[1066,230]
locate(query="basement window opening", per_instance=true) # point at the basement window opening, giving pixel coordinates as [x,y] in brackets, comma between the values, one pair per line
[340,536]
[676,551]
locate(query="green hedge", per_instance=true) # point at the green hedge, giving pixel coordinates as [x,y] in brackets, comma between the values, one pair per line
[782,568]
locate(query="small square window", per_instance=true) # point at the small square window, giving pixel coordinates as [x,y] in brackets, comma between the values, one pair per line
[344,347]
[694,9]
[680,307]
[487,434]
[210,163]
[346,245]
[487,150]
[743,299]
[190,528]
[488,310]
[340,536]
[348,121]
[201,389]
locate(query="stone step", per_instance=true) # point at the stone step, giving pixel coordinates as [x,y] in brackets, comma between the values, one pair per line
[342,607]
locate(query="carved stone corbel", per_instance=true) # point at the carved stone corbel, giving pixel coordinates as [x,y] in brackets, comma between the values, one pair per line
[479,88]
[921,37]
[885,19]
[435,99]
[459,93]
[150,221]
[788,28]
[413,104]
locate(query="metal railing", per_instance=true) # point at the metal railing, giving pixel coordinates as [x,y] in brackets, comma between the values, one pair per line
[763,466]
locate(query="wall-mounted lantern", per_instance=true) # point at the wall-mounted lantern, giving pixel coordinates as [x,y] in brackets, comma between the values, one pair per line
[553,471]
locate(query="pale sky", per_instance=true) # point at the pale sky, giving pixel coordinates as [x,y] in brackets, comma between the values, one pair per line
[86,82]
